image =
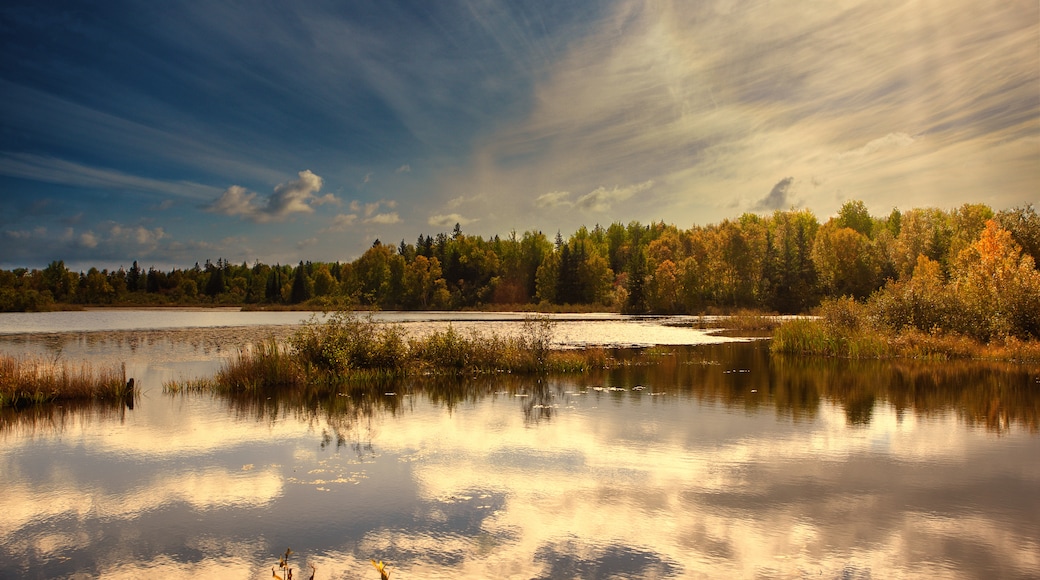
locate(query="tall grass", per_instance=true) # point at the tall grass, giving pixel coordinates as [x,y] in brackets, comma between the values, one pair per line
[845,328]
[28,380]
[346,348]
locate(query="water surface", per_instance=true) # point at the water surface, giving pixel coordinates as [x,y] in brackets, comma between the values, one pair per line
[692,461]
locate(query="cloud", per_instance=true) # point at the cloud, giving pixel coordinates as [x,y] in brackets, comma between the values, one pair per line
[88,240]
[449,220]
[890,142]
[139,235]
[384,218]
[343,221]
[297,196]
[54,170]
[703,101]
[777,197]
[403,169]
[235,200]
[554,199]
[602,199]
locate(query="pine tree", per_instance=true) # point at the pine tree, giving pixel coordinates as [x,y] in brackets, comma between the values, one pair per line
[300,289]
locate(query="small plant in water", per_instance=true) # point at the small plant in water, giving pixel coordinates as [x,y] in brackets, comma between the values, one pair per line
[381,566]
[283,564]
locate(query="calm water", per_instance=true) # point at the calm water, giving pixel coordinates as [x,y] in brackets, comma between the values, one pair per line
[695,460]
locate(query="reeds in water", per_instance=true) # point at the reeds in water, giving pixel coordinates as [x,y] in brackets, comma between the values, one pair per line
[346,348]
[31,380]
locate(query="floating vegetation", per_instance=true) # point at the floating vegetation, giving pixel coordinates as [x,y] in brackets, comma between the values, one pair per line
[31,380]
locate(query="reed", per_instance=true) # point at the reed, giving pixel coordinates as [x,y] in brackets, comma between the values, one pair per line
[29,380]
[266,365]
[845,328]
[345,349]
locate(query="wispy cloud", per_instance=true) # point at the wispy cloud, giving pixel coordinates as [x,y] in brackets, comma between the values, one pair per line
[712,105]
[384,218]
[404,169]
[554,199]
[449,220]
[343,222]
[602,199]
[293,197]
[54,170]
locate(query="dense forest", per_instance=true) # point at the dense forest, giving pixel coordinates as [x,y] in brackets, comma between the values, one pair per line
[786,262]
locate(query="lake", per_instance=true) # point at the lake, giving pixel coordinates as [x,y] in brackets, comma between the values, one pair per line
[700,457]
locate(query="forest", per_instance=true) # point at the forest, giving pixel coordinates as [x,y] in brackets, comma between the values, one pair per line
[924,266]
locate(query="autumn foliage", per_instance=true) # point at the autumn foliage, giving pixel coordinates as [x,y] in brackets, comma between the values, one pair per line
[967,270]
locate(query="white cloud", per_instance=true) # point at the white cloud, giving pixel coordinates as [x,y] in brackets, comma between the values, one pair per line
[554,199]
[449,220]
[60,171]
[297,196]
[602,199]
[384,218]
[890,142]
[404,169]
[235,200]
[88,239]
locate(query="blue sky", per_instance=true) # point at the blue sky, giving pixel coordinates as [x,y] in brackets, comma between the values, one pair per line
[175,132]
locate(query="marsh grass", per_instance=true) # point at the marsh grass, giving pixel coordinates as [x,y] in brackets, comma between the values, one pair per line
[27,381]
[845,328]
[344,348]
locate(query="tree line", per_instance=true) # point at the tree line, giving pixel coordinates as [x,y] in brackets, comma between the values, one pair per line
[786,262]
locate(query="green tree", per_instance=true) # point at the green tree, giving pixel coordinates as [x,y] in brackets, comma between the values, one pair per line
[846,261]
[301,287]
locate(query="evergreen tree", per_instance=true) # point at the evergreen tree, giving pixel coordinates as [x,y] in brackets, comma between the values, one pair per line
[216,284]
[273,290]
[636,303]
[300,289]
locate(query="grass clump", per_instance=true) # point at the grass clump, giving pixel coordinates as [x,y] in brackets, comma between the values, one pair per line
[27,381]
[849,329]
[347,348]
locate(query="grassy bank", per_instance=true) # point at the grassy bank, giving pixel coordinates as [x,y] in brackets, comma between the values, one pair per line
[345,347]
[845,328]
[27,381]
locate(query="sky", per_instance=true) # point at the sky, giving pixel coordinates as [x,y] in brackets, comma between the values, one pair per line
[175,132]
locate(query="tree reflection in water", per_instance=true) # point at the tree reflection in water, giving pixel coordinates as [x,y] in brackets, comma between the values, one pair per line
[997,396]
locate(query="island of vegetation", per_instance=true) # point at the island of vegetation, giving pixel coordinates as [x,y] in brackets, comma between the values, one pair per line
[924,283]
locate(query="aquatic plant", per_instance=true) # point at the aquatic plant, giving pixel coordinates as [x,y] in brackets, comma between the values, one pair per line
[384,574]
[32,380]
[344,348]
